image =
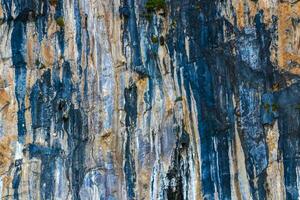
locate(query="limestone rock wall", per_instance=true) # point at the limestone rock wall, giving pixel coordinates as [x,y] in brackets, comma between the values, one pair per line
[115,99]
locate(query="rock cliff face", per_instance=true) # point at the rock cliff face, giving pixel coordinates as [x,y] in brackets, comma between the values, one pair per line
[150,99]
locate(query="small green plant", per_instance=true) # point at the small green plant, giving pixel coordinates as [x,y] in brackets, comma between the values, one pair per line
[42,66]
[153,5]
[178,99]
[154,39]
[267,107]
[173,24]
[60,21]
[275,107]
[147,15]
[37,62]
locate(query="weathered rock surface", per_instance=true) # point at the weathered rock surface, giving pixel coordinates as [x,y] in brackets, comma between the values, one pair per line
[114,99]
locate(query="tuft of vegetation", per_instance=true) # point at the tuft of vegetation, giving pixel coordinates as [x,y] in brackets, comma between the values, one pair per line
[53,2]
[154,39]
[173,24]
[275,87]
[267,107]
[60,21]
[275,107]
[178,99]
[147,15]
[153,5]
[42,66]
[37,62]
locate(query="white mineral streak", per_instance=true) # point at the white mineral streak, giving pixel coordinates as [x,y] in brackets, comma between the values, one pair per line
[196,154]
[298,179]
[61,185]
[275,182]
[241,170]
[233,180]
[241,183]
[103,32]
[18,151]
[1,187]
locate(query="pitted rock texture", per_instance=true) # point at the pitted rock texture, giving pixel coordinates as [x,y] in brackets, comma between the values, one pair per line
[150,99]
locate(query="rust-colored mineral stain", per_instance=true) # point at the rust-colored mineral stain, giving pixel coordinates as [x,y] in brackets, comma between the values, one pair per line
[1,12]
[31,41]
[47,52]
[288,56]
[6,152]
[4,98]
[240,14]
